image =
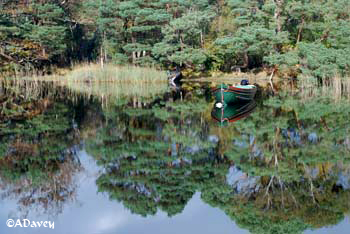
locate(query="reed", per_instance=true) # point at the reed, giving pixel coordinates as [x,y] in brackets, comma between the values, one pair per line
[111,90]
[115,81]
[109,73]
[337,88]
[107,83]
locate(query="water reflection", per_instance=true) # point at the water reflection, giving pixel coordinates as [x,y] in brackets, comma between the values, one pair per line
[232,112]
[284,168]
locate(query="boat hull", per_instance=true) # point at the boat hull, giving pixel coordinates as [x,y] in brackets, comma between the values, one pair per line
[231,94]
[233,112]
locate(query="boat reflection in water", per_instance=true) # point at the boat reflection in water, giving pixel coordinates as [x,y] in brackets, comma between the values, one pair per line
[232,112]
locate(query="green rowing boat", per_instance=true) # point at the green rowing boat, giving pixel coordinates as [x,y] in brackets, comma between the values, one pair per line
[230,94]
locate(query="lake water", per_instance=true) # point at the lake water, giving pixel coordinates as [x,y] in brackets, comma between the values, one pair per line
[164,162]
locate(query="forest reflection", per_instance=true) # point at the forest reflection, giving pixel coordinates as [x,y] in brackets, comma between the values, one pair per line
[283,168]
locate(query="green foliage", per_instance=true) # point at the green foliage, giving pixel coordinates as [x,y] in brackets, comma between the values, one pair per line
[319,35]
[295,36]
[36,34]
[184,38]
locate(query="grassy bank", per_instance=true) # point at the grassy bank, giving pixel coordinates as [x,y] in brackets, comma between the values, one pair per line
[107,73]
[111,73]
[108,82]
[115,81]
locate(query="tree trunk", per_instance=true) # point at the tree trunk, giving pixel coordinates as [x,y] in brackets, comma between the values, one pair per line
[101,56]
[1,89]
[8,57]
[246,60]
[134,55]
[44,52]
[300,29]
[202,40]
[181,43]
[278,12]
[104,47]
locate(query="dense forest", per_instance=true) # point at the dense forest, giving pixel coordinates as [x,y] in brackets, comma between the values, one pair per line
[290,36]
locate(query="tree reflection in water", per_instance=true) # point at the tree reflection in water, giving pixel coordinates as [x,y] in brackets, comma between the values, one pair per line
[38,157]
[282,169]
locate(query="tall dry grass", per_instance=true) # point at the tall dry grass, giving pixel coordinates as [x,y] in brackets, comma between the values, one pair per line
[115,81]
[107,73]
[108,91]
[111,73]
[336,88]
[109,82]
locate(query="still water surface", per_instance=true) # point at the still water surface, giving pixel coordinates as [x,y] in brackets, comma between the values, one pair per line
[161,163]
